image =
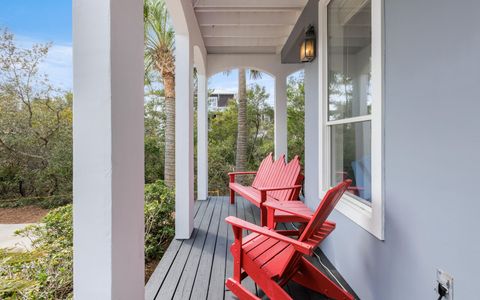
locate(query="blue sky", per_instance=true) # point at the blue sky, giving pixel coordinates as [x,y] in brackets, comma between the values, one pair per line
[229,83]
[41,21]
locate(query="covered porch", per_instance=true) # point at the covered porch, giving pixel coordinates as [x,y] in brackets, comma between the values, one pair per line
[197,268]
[424,68]
[211,36]
[217,36]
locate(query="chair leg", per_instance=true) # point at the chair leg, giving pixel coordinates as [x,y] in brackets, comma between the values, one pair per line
[232,196]
[263,216]
[271,218]
[241,292]
[309,276]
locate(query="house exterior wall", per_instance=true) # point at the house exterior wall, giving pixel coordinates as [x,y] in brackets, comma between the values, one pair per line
[290,53]
[312,140]
[224,99]
[432,144]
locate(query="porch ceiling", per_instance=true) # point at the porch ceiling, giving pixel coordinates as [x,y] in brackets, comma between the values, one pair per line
[246,26]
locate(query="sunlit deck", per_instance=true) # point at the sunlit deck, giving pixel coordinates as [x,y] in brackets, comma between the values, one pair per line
[197,268]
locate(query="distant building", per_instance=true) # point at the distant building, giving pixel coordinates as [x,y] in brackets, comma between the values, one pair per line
[219,99]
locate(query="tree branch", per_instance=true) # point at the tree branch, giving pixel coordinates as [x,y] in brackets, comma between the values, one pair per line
[11,149]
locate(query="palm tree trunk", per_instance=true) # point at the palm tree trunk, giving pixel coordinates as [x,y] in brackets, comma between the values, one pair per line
[241,157]
[169,86]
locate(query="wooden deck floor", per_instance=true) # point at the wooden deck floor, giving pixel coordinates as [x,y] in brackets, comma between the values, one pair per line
[197,268]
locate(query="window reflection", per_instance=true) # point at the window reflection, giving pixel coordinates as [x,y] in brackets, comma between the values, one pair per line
[351,157]
[349,59]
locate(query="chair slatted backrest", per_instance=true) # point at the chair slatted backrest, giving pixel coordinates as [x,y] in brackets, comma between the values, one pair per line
[277,173]
[263,172]
[312,234]
[322,212]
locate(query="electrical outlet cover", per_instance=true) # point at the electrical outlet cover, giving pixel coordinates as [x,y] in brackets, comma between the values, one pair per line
[446,280]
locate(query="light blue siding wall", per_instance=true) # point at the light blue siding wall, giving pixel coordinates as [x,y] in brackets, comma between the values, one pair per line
[311,186]
[432,158]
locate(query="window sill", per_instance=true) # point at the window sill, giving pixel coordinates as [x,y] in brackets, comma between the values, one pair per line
[363,215]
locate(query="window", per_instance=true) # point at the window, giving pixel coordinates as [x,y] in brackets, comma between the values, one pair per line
[352,92]
[213,101]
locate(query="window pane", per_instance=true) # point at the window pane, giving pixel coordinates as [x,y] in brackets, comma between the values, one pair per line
[349,58]
[351,157]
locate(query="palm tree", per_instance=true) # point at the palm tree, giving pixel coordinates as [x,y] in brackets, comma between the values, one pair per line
[159,57]
[242,131]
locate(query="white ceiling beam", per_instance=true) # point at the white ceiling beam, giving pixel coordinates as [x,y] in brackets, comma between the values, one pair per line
[243,42]
[246,31]
[247,9]
[249,3]
[241,50]
[251,18]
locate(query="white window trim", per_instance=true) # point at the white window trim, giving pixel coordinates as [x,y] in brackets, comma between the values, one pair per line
[371,218]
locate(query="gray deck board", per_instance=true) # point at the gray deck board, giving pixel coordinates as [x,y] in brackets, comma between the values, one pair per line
[169,285]
[217,286]
[198,267]
[158,276]
[185,285]
[202,279]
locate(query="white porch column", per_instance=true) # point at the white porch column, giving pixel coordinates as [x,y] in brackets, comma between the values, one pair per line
[183,137]
[202,138]
[280,118]
[108,153]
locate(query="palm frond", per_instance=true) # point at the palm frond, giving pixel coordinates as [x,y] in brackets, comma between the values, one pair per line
[255,74]
[159,38]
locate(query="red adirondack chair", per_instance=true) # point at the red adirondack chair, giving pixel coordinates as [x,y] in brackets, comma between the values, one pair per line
[272,259]
[288,212]
[274,180]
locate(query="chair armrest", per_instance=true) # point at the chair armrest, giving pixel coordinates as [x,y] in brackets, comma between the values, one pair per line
[264,190]
[232,175]
[269,189]
[299,246]
[277,205]
[242,173]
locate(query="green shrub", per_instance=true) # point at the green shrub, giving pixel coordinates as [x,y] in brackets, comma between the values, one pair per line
[159,219]
[47,202]
[46,272]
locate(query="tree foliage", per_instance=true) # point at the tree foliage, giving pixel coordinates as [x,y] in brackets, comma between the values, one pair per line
[160,59]
[223,132]
[154,123]
[46,272]
[296,117]
[35,125]
[260,132]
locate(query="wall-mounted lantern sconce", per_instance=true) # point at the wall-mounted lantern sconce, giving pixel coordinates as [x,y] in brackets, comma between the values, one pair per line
[307,50]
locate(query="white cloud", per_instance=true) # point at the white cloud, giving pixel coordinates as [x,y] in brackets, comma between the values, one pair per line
[57,65]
